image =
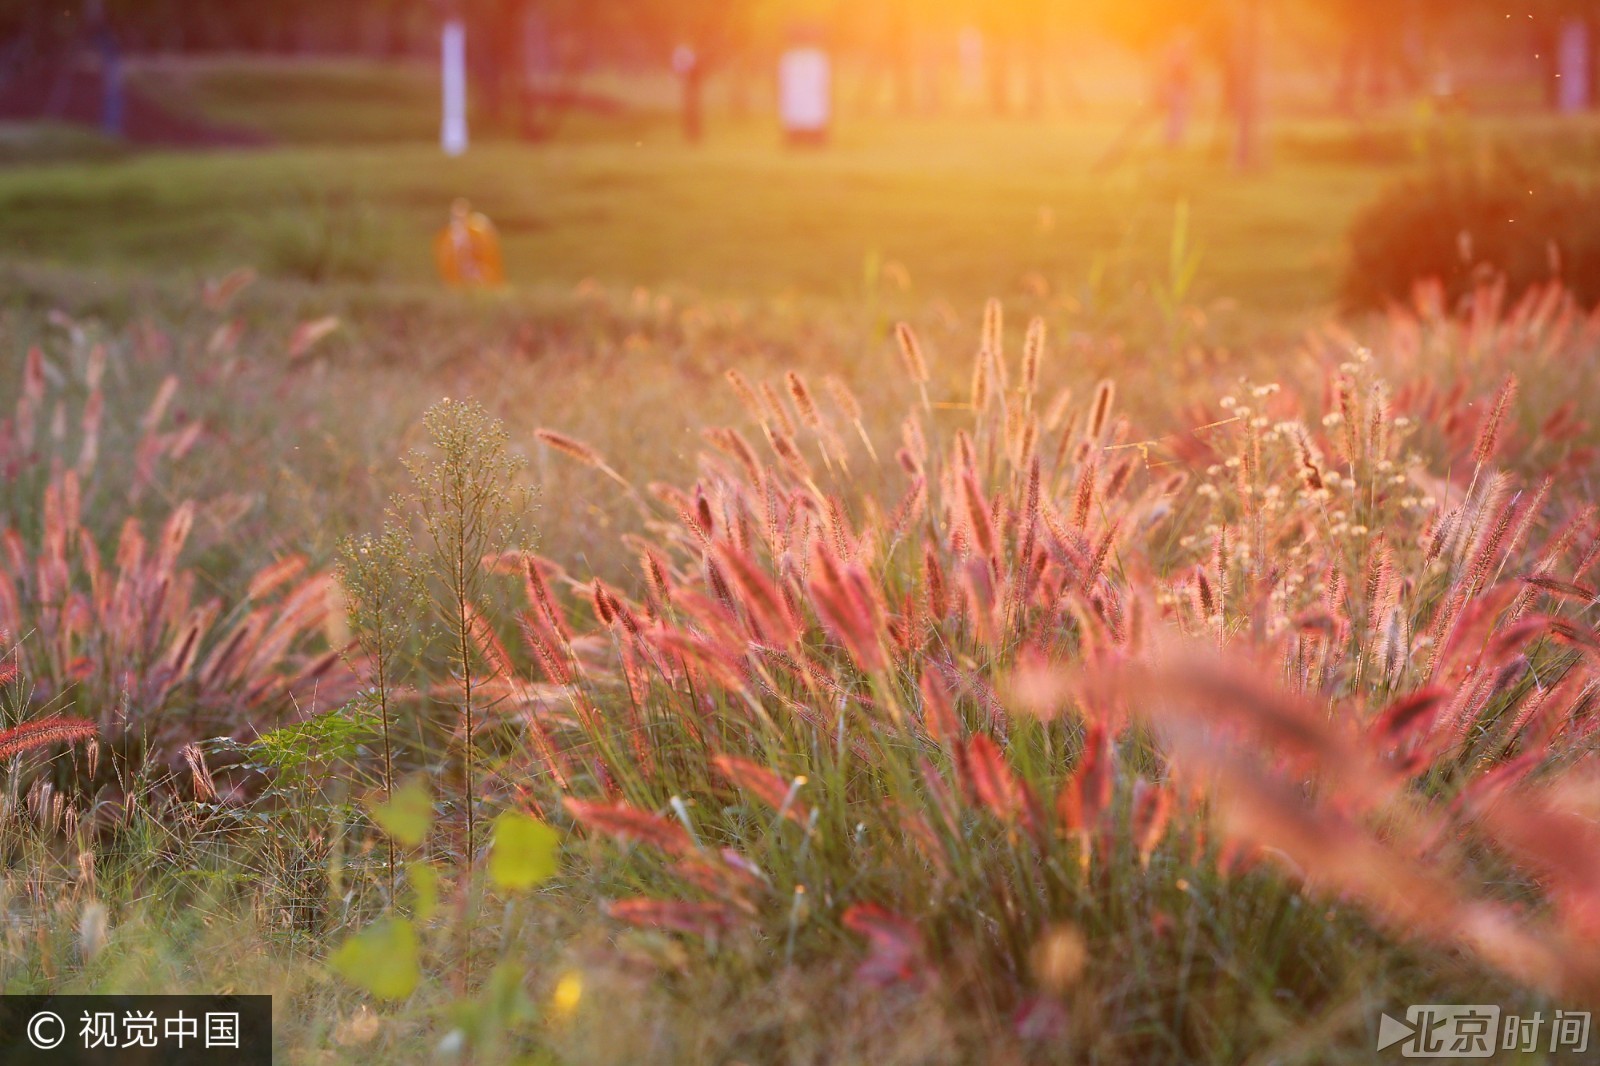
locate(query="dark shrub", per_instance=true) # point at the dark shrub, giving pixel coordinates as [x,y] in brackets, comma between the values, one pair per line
[1462,223]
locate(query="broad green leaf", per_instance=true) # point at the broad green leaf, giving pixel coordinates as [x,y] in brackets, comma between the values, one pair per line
[382,958]
[504,997]
[424,889]
[407,815]
[502,1004]
[525,851]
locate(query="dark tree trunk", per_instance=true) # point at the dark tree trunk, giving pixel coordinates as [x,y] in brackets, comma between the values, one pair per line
[902,60]
[1033,100]
[693,102]
[997,59]
[739,89]
[1246,82]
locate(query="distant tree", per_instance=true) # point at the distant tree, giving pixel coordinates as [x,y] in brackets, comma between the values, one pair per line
[1373,54]
[1566,47]
[1230,34]
[704,35]
[1016,38]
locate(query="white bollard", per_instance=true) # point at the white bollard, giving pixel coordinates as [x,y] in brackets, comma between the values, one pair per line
[969,47]
[805,94]
[453,57]
[1572,60]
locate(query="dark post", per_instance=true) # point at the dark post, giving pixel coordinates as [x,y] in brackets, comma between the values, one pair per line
[691,73]
[1247,84]
[104,38]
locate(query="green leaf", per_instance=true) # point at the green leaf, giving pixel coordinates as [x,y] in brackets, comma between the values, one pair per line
[424,889]
[504,997]
[383,959]
[525,851]
[496,1011]
[407,815]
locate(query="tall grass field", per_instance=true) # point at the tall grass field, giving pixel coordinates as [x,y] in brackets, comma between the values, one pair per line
[879,606]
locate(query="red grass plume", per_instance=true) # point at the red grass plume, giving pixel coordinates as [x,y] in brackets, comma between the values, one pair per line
[894,946]
[702,919]
[627,822]
[765,785]
[53,730]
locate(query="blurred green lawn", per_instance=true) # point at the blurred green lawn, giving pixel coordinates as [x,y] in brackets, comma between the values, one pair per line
[354,189]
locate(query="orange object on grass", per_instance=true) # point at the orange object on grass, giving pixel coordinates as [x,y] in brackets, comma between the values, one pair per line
[467,250]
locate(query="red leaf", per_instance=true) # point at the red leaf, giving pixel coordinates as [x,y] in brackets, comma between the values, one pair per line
[1152,807]
[938,712]
[625,822]
[1576,635]
[768,786]
[1040,1018]
[894,945]
[1088,792]
[1407,717]
[761,598]
[722,881]
[696,919]
[987,778]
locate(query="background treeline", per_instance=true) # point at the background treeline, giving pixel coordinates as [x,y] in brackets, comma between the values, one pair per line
[1380,38]
[528,59]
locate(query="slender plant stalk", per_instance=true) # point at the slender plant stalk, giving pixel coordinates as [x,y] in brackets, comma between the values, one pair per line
[464,644]
[383,593]
[471,511]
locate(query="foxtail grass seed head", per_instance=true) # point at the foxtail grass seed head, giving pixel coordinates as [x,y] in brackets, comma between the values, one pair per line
[1206,598]
[911,357]
[56,729]
[775,411]
[205,789]
[933,583]
[1489,432]
[1032,356]
[980,380]
[803,402]
[994,339]
[1350,420]
[576,449]
[655,571]
[1309,457]
[1105,395]
[747,395]
[1380,419]
[1084,497]
[604,609]
[843,398]
[1055,416]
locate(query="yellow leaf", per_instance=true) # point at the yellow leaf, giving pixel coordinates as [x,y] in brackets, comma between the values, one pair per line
[407,815]
[383,959]
[524,853]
